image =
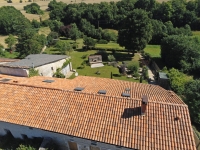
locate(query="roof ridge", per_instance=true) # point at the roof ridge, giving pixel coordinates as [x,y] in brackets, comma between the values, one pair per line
[91,93]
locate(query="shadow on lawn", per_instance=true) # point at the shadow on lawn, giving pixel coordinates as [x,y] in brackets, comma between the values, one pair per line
[159,62]
[119,56]
[117,75]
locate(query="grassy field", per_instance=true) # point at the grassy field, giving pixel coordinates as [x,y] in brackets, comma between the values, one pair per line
[153,50]
[110,45]
[105,72]
[196,34]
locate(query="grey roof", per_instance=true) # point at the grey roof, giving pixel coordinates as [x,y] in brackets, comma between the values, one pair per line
[35,60]
[163,75]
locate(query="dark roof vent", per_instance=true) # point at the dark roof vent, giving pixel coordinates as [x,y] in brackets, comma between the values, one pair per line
[126,95]
[78,89]
[48,81]
[5,80]
[93,143]
[102,91]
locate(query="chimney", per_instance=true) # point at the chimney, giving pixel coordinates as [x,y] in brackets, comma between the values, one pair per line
[144,105]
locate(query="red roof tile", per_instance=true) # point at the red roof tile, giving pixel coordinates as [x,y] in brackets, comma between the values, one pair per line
[106,118]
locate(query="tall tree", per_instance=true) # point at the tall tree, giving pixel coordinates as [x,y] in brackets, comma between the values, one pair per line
[136,31]
[193,99]
[181,52]
[63,47]
[10,41]
[30,42]
[74,32]
[88,41]
[11,20]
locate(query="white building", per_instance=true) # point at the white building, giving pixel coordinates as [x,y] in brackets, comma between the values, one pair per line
[46,65]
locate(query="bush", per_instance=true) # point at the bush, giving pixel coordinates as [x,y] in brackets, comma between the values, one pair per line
[111,58]
[33,8]
[65,63]
[33,72]
[133,67]
[9,1]
[35,23]
[145,72]
[84,56]
[102,42]
[58,73]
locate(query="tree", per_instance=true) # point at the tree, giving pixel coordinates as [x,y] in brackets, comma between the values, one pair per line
[181,52]
[35,23]
[159,31]
[133,67]
[136,31]
[12,20]
[192,95]
[88,41]
[55,25]
[30,42]
[63,47]
[52,38]
[178,80]
[74,32]
[33,8]
[10,41]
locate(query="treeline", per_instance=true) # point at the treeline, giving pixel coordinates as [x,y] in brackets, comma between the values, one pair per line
[111,15]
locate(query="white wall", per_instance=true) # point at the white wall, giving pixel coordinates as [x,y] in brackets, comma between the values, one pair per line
[49,69]
[14,71]
[60,139]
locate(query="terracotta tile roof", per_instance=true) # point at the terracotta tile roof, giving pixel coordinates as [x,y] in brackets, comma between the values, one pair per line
[113,120]
[93,85]
[105,118]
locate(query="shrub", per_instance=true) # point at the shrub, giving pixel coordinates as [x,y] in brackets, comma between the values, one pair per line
[111,58]
[58,73]
[33,8]
[102,41]
[145,72]
[133,67]
[33,72]
[84,56]
[65,63]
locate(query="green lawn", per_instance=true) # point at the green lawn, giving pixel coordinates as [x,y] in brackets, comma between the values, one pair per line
[110,45]
[105,72]
[153,50]
[196,34]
